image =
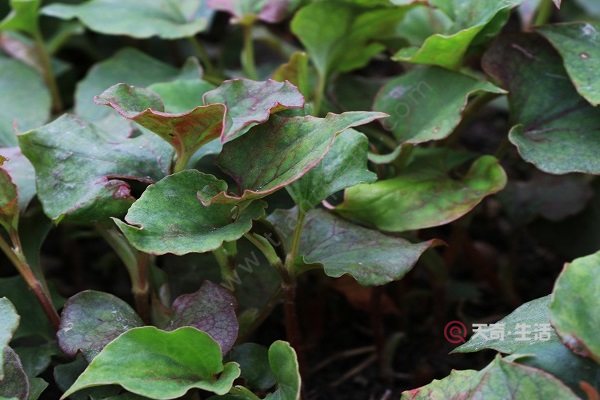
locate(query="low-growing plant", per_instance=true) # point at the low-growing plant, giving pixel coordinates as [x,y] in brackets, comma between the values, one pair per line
[246,160]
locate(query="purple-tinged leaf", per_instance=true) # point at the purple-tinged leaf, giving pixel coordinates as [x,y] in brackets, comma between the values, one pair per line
[15,384]
[186,132]
[228,111]
[271,11]
[211,309]
[81,170]
[273,155]
[250,103]
[500,380]
[90,320]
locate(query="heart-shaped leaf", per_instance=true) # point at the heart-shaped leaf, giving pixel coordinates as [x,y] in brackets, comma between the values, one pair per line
[15,384]
[500,380]
[169,218]
[137,18]
[579,45]
[159,364]
[344,165]
[271,11]
[574,306]
[340,36]
[81,170]
[273,155]
[427,103]
[557,129]
[90,320]
[469,18]
[422,198]
[9,322]
[29,109]
[369,256]
[212,310]
[127,66]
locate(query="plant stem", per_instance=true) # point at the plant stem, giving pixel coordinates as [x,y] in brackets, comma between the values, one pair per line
[35,284]
[48,72]
[136,263]
[181,162]
[202,55]
[226,261]
[544,13]
[248,51]
[319,93]
[288,286]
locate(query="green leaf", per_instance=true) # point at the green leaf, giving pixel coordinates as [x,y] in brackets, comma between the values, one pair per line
[427,103]
[574,306]
[23,17]
[532,315]
[295,71]
[159,364]
[169,218]
[15,384]
[29,104]
[212,310]
[271,11]
[90,320]
[66,374]
[528,332]
[579,45]
[80,170]
[340,37]
[21,173]
[500,380]
[284,366]
[127,66]
[273,155]
[181,95]
[470,18]
[422,198]
[344,165]
[254,363]
[136,18]
[557,129]
[369,256]
[250,103]
[36,388]
[25,302]
[9,322]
